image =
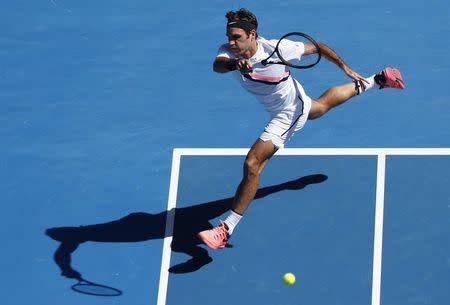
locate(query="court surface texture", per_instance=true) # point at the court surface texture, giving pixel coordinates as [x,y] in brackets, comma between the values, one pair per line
[119,143]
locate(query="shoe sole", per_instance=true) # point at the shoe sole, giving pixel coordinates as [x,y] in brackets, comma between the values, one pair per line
[206,242]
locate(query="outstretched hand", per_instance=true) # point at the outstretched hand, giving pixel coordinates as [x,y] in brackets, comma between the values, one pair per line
[361,81]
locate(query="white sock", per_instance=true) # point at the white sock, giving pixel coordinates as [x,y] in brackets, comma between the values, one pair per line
[232,220]
[369,85]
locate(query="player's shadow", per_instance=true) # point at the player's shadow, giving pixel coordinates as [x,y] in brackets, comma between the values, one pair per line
[140,226]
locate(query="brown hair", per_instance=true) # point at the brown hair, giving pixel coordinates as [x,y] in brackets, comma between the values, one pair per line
[242,14]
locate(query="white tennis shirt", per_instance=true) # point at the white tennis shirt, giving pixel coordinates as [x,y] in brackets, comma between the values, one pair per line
[272,85]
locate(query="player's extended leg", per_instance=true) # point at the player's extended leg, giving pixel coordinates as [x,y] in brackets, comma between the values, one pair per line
[256,159]
[388,78]
[331,98]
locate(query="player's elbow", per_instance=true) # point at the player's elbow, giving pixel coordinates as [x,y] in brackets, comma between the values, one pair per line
[219,67]
[215,67]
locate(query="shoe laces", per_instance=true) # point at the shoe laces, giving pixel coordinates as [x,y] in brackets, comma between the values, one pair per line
[220,232]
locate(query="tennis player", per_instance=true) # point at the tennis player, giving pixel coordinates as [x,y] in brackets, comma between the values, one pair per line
[283,97]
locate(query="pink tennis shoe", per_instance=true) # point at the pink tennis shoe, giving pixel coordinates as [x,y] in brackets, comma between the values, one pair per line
[216,238]
[390,78]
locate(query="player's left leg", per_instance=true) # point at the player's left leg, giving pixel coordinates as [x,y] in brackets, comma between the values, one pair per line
[331,98]
[335,96]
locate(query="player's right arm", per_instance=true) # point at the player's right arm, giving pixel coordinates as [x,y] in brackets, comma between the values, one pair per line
[224,64]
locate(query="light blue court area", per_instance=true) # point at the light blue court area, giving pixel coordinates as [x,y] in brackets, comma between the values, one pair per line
[313,216]
[95,96]
[416,260]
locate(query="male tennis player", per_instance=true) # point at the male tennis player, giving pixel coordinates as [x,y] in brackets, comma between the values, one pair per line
[283,97]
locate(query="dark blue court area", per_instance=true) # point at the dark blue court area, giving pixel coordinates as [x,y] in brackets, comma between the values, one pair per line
[304,220]
[416,245]
[95,96]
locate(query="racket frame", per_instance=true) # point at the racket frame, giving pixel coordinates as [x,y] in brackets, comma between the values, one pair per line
[282,61]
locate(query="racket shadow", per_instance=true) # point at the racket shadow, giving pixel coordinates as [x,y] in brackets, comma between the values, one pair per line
[140,226]
[87,287]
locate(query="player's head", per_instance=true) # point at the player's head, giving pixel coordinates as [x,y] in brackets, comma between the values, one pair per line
[241,30]
[243,19]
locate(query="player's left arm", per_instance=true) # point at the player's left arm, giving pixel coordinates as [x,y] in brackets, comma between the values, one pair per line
[333,57]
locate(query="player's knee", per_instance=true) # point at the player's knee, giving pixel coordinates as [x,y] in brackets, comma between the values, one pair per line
[251,167]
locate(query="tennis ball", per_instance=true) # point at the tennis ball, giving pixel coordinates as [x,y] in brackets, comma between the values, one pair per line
[289,278]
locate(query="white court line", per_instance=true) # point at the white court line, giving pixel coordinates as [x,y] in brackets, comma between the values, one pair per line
[171,204]
[319,151]
[381,168]
[378,235]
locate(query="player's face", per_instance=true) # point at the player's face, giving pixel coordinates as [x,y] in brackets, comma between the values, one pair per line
[241,43]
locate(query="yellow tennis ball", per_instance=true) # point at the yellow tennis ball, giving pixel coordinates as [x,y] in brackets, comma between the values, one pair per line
[289,278]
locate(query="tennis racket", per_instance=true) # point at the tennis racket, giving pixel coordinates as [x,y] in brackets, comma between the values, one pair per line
[286,52]
[87,287]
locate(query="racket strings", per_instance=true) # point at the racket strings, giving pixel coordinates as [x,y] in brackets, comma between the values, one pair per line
[294,45]
[296,50]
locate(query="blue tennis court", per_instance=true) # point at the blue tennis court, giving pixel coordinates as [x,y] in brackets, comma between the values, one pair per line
[119,143]
[329,221]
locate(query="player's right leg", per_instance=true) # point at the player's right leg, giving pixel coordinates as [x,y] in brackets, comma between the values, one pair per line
[257,158]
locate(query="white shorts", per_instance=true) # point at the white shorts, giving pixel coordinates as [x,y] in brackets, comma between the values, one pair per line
[285,123]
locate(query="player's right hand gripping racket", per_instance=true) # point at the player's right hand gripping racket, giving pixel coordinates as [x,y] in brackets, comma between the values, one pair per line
[282,54]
